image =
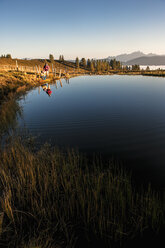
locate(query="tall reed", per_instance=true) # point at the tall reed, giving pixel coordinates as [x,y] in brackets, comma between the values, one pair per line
[54,198]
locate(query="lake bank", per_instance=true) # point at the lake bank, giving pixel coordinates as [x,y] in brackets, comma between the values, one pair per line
[17,81]
[14,83]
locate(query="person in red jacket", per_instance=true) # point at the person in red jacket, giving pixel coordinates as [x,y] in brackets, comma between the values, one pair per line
[46,69]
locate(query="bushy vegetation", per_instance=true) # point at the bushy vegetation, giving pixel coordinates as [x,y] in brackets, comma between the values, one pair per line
[52,198]
[8,56]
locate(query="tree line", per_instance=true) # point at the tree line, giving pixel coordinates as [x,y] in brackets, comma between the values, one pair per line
[98,65]
[51,58]
[8,56]
[104,65]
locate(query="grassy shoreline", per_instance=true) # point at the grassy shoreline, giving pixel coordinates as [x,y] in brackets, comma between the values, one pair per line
[15,82]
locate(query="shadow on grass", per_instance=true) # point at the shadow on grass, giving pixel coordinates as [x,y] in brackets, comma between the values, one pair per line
[52,198]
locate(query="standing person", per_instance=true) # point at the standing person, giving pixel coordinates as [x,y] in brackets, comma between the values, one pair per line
[46,69]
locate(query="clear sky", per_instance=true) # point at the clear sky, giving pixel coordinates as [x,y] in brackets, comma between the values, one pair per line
[83,28]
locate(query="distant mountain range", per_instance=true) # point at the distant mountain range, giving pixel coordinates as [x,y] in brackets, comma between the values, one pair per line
[154,60]
[139,58]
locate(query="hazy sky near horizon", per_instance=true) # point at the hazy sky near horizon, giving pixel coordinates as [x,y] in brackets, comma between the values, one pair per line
[88,28]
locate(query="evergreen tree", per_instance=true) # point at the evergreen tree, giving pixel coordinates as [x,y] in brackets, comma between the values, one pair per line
[62,57]
[104,66]
[51,58]
[77,62]
[83,62]
[108,67]
[88,63]
[113,64]
[8,56]
[98,65]
[135,68]
[92,68]
[118,65]
[94,63]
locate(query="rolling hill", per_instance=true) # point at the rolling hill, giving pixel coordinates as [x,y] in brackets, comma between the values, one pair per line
[126,57]
[153,60]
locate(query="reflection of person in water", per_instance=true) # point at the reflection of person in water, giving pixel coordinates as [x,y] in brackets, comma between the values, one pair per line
[44,87]
[48,91]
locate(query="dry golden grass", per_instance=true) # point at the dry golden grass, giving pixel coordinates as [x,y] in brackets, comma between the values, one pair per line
[66,65]
[58,198]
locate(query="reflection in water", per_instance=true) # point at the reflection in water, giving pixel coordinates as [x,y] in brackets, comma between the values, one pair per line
[9,112]
[49,92]
[44,87]
[67,80]
[60,83]
[47,89]
[121,116]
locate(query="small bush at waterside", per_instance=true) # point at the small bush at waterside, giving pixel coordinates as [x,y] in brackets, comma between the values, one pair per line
[54,199]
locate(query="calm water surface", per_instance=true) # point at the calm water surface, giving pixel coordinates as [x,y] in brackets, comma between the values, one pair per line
[123,116]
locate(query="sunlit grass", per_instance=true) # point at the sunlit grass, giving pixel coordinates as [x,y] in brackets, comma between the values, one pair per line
[13,83]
